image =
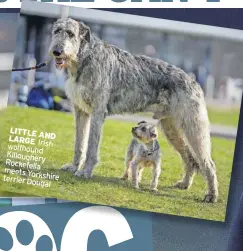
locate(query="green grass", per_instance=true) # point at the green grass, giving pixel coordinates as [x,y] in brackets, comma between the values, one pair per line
[105,187]
[228,117]
[218,116]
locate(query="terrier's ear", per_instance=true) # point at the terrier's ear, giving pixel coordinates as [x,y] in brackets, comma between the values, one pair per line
[154,135]
[153,132]
[153,129]
[84,32]
[141,122]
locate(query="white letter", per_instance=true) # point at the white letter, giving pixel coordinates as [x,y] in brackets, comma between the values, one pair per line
[83,223]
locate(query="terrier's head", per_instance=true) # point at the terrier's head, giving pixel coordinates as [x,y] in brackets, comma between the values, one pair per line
[145,132]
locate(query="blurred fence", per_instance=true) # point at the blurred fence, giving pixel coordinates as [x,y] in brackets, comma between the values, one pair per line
[213,55]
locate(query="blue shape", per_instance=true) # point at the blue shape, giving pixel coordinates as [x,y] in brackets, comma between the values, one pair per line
[24,232]
[98,242]
[57,216]
[44,243]
[39,97]
[6,202]
[119,1]
[140,227]
[6,240]
[49,200]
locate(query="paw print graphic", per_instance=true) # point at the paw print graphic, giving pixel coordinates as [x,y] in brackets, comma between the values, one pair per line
[28,232]
[25,232]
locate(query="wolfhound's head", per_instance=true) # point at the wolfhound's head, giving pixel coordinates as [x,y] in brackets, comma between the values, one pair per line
[69,38]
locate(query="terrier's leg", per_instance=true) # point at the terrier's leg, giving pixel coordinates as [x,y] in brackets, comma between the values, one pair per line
[135,173]
[125,175]
[128,159]
[140,174]
[156,171]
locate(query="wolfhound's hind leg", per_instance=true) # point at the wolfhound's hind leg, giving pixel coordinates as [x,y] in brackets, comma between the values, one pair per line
[176,138]
[198,135]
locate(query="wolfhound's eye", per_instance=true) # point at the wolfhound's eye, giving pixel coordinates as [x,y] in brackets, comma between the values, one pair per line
[57,31]
[70,33]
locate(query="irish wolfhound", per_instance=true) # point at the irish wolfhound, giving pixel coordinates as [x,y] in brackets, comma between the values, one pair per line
[102,79]
[143,151]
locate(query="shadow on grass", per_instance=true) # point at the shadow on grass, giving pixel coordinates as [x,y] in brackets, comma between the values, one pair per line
[126,184]
[68,178]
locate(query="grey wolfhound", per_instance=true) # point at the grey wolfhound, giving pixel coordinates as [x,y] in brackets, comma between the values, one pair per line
[102,80]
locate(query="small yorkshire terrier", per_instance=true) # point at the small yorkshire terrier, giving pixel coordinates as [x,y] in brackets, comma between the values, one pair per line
[143,151]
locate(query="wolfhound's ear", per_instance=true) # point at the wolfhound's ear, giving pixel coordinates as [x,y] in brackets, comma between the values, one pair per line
[84,32]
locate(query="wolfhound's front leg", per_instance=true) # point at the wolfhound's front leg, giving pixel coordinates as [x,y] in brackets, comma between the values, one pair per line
[82,127]
[97,121]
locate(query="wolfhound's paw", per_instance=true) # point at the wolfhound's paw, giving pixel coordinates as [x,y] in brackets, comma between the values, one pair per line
[210,198]
[83,173]
[69,168]
[181,185]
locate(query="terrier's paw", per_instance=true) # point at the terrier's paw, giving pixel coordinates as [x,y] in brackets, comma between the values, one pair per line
[210,198]
[124,177]
[181,185]
[84,173]
[153,189]
[69,168]
[136,187]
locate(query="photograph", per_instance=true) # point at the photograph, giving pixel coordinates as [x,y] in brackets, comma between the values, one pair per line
[122,110]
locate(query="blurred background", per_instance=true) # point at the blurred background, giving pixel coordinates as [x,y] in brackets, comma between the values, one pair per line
[7,43]
[213,55]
